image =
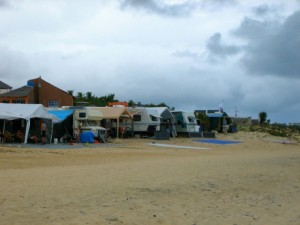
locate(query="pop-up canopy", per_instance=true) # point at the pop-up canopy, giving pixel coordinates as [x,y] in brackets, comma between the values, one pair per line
[27,112]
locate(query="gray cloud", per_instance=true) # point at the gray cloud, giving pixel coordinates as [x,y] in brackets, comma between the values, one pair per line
[174,10]
[219,50]
[263,10]
[130,55]
[152,6]
[251,29]
[217,3]
[3,3]
[272,50]
[14,65]
[186,54]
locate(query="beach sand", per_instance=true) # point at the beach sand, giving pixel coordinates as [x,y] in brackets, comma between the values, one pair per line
[131,182]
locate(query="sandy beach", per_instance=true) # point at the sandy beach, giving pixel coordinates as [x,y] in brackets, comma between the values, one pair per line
[256,181]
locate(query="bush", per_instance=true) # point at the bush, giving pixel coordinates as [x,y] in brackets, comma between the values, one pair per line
[280,130]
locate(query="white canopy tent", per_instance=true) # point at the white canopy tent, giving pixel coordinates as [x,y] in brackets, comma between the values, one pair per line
[27,112]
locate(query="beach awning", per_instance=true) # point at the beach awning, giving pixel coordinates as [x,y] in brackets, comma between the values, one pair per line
[61,114]
[24,111]
[112,112]
[27,112]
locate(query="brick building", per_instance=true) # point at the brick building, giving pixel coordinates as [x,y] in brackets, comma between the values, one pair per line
[38,91]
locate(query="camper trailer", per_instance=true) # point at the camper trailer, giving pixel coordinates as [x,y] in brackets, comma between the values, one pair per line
[148,121]
[185,122]
[145,121]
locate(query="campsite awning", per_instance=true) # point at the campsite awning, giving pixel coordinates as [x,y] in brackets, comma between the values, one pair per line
[27,112]
[61,114]
[112,112]
[24,111]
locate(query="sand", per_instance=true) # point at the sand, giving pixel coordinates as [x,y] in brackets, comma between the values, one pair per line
[131,182]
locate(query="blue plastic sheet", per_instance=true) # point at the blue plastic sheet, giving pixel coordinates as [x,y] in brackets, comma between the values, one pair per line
[218,142]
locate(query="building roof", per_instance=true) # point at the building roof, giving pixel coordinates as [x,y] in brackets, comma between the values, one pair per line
[4,85]
[19,92]
[38,80]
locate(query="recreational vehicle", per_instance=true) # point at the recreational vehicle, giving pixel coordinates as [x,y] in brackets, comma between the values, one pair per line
[147,121]
[87,119]
[185,122]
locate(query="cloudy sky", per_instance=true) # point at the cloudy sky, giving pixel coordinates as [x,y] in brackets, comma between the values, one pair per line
[190,54]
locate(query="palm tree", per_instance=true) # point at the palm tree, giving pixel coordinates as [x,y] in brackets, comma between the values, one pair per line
[89,95]
[70,92]
[79,95]
[110,98]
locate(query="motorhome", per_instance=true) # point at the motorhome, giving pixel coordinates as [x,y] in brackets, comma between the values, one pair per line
[86,119]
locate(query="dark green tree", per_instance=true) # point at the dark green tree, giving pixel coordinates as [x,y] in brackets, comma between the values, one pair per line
[131,103]
[79,95]
[262,118]
[70,92]
[203,120]
[89,95]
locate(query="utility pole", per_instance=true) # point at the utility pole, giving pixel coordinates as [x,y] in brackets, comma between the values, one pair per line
[235,111]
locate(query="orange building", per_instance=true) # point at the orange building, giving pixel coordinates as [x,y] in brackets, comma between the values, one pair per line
[111,104]
[38,91]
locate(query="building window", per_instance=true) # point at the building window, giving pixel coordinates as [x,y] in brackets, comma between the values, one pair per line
[5,101]
[18,101]
[52,104]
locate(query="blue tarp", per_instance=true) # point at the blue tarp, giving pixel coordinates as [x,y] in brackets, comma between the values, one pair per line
[219,142]
[61,114]
[87,137]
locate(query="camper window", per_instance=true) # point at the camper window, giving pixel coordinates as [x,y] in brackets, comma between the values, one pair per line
[82,115]
[153,118]
[137,118]
[191,119]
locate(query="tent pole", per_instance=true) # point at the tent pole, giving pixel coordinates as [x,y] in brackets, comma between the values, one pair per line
[118,126]
[27,131]
[3,126]
[51,133]
[132,128]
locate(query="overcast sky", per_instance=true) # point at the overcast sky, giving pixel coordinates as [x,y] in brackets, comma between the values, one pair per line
[190,54]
